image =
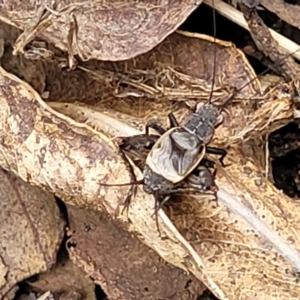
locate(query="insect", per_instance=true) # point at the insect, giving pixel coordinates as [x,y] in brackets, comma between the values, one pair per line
[174,161]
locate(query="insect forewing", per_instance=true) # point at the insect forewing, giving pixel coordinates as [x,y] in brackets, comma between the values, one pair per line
[185,140]
[175,158]
[186,148]
[159,158]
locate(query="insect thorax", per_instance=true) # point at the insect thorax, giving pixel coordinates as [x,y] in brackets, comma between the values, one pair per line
[199,125]
[156,183]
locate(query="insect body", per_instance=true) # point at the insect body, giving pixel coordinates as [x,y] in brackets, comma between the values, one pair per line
[174,153]
[174,161]
[203,121]
[170,166]
[180,149]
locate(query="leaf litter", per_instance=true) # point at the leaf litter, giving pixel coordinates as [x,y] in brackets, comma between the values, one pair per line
[127,28]
[60,283]
[31,231]
[123,256]
[225,242]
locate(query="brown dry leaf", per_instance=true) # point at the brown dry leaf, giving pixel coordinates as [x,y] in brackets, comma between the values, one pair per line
[268,45]
[66,279]
[50,150]
[178,69]
[123,266]
[284,10]
[31,231]
[120,29]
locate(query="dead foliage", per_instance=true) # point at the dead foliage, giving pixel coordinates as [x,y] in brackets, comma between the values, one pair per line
[286,11]
[58,132]
[123,256]
[31,231]
[126,28]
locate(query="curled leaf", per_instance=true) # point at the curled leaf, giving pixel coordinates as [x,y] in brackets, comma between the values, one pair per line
[31,230]
[120,29]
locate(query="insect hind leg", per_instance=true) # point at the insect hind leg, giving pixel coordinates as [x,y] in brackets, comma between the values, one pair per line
[133,188]
[173,121]
[203,181]
[159,203]
[217,151]
[156,127]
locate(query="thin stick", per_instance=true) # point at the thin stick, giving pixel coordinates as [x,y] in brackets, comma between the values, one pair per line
[237,17]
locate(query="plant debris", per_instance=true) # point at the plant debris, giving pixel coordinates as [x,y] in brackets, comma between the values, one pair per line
[59,126]
[31,231]
[121,29]
[116,263]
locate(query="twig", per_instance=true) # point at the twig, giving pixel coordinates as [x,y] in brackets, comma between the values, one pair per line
[237,17]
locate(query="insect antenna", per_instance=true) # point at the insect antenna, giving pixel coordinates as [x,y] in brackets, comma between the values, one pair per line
[215,54]
[250,81]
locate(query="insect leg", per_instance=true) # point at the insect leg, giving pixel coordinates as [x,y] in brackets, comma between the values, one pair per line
[133,188]
[210,164]
[156,208]
[156,127]
[138,146]
[173,121]
[203,181]
[217,151]
[159,202]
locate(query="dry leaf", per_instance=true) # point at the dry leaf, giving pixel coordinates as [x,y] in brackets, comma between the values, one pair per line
[225,250]
[286,11]
[178,69]
[123,266]
[111,30]
[54,152]
[65,279]
[30,233]
[268,45]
